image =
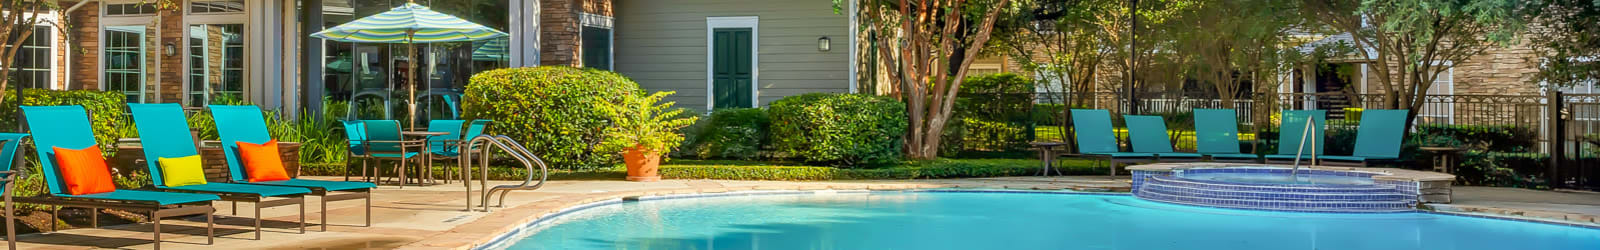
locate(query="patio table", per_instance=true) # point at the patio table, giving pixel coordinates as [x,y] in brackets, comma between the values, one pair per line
[427,156]
[1047,154]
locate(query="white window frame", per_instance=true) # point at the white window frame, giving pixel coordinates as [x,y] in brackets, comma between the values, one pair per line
[50,19]
[189,19]
[1449,80]
[127,20]
[751,22]
[586,19]
[188,9]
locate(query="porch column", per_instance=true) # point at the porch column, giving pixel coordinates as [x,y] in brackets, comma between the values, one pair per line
[311,57]
[272,64]
[524,44]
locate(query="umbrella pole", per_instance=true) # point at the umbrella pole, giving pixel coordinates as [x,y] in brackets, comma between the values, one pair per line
[411,77]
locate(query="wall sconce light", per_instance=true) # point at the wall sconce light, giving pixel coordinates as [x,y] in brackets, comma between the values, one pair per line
[824,44]
[169,49]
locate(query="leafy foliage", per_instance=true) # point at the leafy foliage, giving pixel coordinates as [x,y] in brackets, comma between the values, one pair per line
[107,117]
[839,129]
[644,122]
[551,110]
[733,134]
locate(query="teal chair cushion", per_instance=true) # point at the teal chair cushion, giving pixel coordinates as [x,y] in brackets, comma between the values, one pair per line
[238,123]
[1148,134]
[355,133]
[319,184]
[407,155]
[1216,131]
[1292,127]
[1123,155]
[1178,155]
[1380,133]
[1234,156]
[167,130]
[1093,130]
[161,198]
[260,190]
[57,126]
[383,130]
[446,144]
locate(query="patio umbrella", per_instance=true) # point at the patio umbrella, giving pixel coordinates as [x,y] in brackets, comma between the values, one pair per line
[410,24]
[492,50]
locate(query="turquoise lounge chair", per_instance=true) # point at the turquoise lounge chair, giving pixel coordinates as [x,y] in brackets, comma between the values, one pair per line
[1097,138]
[1216,135]
[167,131]
[1377,139]
[8,154]
[68,127]
[1292,127]
[245,124]
[1148,134]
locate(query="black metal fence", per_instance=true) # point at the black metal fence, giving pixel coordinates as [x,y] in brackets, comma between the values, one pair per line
[1554,137]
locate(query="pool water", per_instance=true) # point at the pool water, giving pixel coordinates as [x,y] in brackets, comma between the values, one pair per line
[964,220]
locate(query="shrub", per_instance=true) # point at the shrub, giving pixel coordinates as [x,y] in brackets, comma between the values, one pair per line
[550,110]
[733,134]
[643,122]
[106,109]
[839,129]
[1503,138]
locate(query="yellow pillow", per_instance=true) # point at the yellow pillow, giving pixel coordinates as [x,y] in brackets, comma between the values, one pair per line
[182,171]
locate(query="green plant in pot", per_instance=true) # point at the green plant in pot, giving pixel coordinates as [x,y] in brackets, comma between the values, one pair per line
[645,129]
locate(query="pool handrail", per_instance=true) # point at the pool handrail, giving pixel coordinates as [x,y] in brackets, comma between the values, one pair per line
[510,146]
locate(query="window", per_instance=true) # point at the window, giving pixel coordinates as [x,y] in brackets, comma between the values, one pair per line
[596,41]
[216,6]
[32,62]
[124,61]
[216,63]
[130,9]
[1439,110]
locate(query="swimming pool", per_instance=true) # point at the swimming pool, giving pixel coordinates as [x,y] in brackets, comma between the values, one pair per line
[971,220]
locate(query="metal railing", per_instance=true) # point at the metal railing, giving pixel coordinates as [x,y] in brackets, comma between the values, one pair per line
[510,147]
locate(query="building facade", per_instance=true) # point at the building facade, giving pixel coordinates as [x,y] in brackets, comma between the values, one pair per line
[199,52]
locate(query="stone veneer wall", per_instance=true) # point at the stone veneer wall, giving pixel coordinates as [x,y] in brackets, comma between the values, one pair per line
[561,31]
[85,50]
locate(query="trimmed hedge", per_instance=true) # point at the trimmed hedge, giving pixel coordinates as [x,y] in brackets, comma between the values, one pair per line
[732,134]
[550,110]
[839,129]
[106,109]
[770,171]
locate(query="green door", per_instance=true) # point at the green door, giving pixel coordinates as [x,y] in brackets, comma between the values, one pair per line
[731,69]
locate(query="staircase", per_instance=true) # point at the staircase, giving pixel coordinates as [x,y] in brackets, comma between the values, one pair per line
[1349,198]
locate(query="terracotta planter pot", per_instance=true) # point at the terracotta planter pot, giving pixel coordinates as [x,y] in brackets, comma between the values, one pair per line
[642,164]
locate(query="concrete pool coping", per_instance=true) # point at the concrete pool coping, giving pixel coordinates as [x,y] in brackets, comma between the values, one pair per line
[432,217]
[1384,173]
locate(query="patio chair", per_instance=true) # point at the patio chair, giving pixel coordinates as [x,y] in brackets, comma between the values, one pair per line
[8,155]
[1292,127]
[355,134]
[1149,134]
[164,133]
[245,124]
[68,127]
[1216,135]
[447,146]
[384,142]
[1377,138]
[1096,138]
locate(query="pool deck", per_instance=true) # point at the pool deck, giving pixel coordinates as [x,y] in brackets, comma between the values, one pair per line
[434,217]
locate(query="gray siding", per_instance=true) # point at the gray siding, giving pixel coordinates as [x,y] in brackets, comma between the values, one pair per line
[662,45]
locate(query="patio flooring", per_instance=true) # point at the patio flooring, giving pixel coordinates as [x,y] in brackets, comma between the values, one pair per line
[433,217]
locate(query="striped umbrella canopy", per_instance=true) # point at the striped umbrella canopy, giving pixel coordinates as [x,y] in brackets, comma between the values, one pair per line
[492,50]
[410,24]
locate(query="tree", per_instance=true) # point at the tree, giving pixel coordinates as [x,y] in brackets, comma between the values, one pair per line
[933,43]
[1569,39]
[1411,41]
[20,16]
[1232,43]
[1059,41]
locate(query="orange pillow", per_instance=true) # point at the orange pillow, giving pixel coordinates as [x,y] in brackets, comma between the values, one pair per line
[262,161]
[84,170]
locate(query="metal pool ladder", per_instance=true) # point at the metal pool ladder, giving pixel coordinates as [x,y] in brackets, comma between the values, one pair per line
[510,147]
[1294,174]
